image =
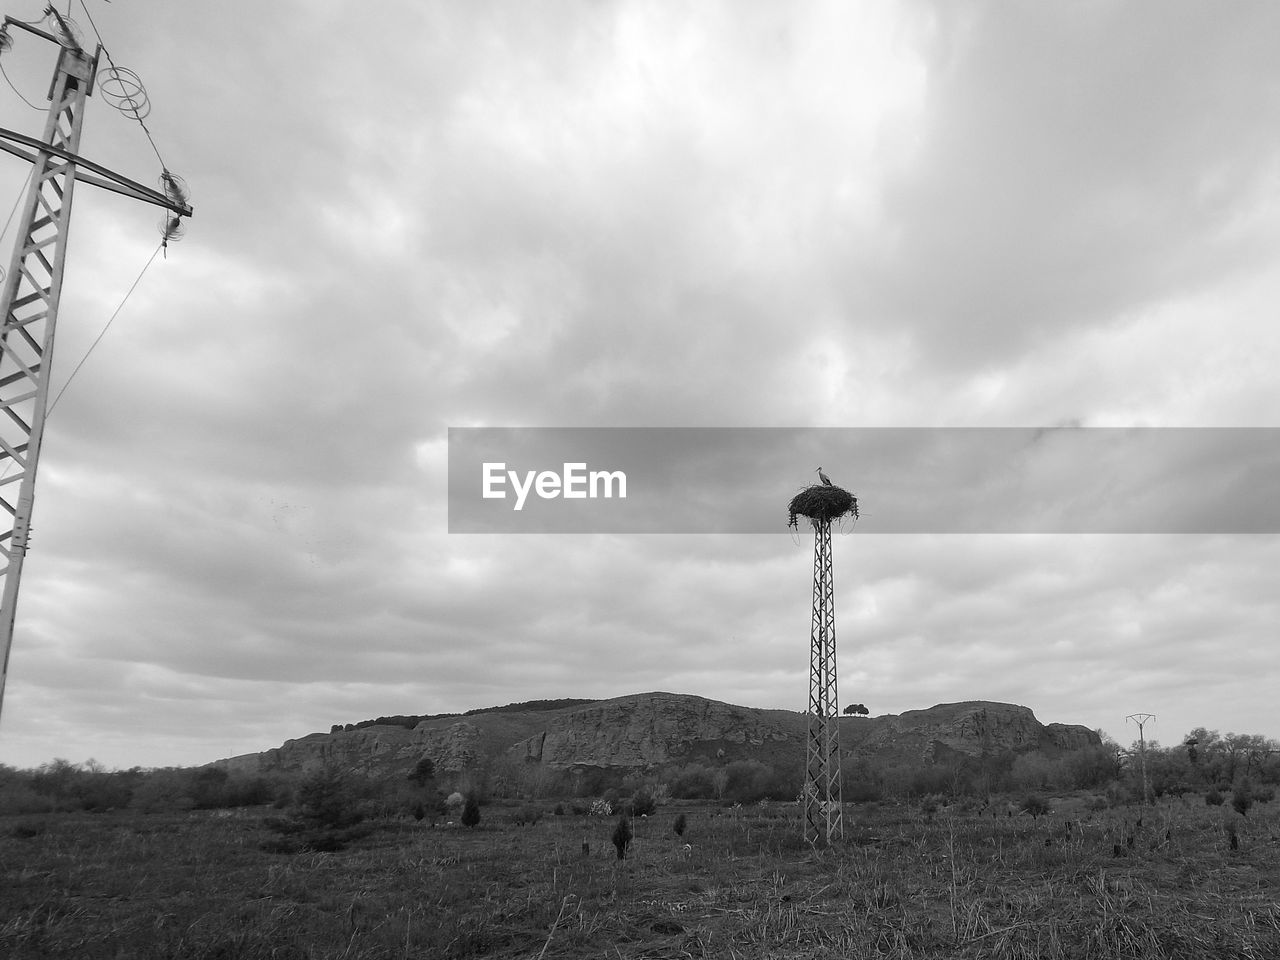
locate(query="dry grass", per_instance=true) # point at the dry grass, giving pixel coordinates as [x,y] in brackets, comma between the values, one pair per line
[903,885]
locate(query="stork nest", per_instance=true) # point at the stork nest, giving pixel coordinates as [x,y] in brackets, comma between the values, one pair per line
[822,504]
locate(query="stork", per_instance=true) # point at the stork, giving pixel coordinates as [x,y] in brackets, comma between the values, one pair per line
[824,478]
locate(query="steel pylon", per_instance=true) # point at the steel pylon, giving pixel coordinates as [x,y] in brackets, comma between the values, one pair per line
[33,286]
[822,796]
[29,305]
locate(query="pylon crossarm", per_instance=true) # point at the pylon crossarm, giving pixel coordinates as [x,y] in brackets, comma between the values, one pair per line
[106,179]
[30,28]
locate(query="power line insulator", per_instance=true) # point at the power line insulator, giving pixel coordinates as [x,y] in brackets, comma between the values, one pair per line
[175,188]
[66,30]
[172,228]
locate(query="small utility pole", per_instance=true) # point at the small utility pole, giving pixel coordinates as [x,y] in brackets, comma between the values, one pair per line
[1140,719]
[32,288]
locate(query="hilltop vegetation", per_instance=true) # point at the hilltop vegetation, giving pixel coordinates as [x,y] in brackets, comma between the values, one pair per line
[411,721]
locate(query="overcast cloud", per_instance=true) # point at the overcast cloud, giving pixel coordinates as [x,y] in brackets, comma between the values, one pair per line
[625,214]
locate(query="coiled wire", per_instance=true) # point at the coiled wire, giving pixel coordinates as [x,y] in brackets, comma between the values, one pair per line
[122,88]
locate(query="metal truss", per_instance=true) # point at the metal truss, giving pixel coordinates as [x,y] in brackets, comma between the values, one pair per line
[31,289]
[823,822]
[29,304]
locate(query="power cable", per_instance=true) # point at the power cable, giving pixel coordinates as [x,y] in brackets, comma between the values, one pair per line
[107,327]
[16,90]
[102,333]
[135,110]
[124,90]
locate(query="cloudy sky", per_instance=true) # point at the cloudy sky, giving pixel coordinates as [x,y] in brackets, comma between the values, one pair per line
[626,214]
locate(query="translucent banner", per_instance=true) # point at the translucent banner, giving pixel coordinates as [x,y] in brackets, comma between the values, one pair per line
[906,480]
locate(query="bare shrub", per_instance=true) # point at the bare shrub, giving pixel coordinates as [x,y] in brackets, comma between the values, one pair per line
[1035,805]
[622,837]
[644,803]
[471,812]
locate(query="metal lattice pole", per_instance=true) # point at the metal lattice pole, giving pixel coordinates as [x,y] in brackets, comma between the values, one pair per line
[33,286]
[822,797]
[29,304]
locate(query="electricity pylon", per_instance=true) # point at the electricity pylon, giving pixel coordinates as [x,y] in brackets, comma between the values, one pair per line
[822,796]
[32,288]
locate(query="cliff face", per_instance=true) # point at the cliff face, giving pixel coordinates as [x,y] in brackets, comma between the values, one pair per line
[656,729]
[452,747]
[1071,736]
[363,750]
[971,728]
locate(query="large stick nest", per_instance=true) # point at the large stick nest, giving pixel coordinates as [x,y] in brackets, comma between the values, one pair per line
[822,504]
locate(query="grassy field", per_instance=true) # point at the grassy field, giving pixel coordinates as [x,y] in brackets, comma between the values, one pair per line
[906,883]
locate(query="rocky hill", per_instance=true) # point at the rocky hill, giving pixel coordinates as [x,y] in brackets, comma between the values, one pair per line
[970,728]
[651,730]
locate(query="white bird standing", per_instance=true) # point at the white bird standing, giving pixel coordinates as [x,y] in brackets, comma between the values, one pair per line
[824,478]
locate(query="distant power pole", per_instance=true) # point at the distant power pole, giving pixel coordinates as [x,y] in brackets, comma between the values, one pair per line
[33,286]
[1140,719]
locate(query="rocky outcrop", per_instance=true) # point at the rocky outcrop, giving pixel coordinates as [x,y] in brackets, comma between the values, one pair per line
[1071,736]
[654,729]
[365,750]
[657,729]
[453,745]
[453,749]
[972,728]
